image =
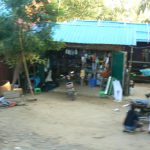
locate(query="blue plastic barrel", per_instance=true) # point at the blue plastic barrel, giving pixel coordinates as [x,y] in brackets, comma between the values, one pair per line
[92,82]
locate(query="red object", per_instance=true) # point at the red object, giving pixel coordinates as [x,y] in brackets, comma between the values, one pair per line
[12,104]
[105,74]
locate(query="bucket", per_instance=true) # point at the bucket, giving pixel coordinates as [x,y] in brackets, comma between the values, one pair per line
[102,94]
[4,86]
[92,82]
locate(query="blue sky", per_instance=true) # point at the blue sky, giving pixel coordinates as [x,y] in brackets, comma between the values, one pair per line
[3,10]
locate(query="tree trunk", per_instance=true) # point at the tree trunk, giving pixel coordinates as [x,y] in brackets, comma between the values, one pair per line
[27,73]
[18,69]
[24,61]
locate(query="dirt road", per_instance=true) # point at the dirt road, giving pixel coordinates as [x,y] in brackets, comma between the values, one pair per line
[56,123]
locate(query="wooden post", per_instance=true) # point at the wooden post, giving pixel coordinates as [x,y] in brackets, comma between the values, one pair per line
[127,75]
[127,89]
[127,83]
[131,59]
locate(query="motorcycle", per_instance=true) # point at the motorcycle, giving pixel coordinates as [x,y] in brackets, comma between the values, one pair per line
[142,107]
[71,92]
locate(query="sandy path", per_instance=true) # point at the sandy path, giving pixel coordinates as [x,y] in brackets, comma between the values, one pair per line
[56,123]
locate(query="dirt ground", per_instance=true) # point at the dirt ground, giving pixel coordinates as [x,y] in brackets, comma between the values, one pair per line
[53,122]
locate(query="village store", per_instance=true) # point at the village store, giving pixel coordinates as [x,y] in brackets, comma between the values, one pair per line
[94,49]
[91,67]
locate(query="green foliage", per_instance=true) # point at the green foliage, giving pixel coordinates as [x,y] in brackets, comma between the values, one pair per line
[79,9]
[123,10]
[11,62]
[145,4]
[144,11]
[16,30]
[86,10]
[34,58]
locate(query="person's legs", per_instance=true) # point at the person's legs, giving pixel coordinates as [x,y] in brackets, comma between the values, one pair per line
[129,129]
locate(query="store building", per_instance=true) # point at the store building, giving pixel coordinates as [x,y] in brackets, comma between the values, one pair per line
[100,48]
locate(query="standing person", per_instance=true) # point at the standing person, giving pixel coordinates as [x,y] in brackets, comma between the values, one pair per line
[131,122]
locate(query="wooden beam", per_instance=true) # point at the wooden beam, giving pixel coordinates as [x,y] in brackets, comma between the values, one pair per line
[139,62]
[100,47]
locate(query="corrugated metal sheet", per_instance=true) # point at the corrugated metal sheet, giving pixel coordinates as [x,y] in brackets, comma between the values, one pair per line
[90,34]
[102,32]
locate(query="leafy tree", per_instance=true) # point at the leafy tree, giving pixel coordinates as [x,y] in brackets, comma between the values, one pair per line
[25,30]
[144,5]
[80,9]
[144,11]
[98,10]
[124,10]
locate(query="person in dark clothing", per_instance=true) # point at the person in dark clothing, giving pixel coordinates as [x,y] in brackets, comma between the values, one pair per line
[131,121]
